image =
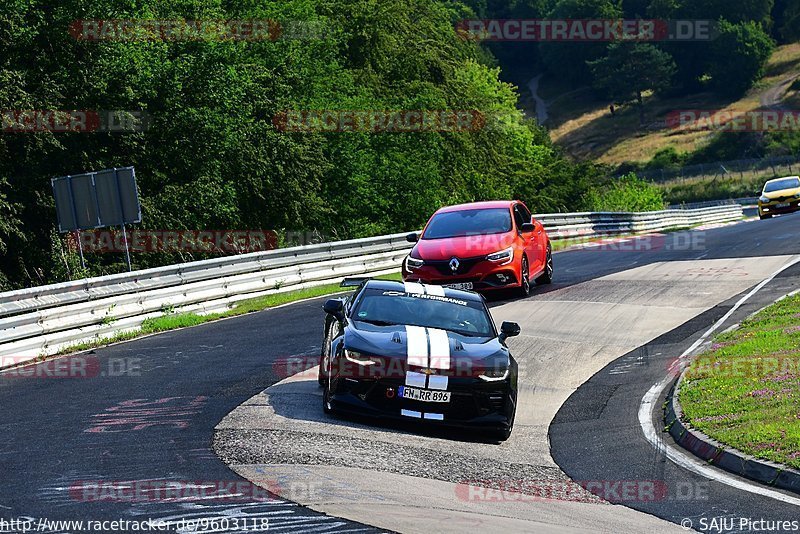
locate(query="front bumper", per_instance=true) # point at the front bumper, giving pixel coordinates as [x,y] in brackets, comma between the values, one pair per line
[474,404]
[772,208]
[484,275]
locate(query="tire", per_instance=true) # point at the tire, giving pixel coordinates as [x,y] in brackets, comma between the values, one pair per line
[762,217]
[326,399]
[547,276]
[525,278]
[322,377]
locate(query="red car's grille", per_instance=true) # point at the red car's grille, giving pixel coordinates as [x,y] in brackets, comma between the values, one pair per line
[465,265]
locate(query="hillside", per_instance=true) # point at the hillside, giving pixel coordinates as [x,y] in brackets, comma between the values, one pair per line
[583,126]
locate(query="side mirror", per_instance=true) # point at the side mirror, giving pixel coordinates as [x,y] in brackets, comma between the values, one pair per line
[334,307]
[527,227]
[509,329]
[413,237]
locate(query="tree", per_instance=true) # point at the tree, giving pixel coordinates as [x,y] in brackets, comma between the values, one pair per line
[738,57]
[567,60]
[788,22]
[758,11]
[630,69]
[213,158]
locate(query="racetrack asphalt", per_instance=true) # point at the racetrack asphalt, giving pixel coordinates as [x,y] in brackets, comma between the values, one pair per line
[61,433]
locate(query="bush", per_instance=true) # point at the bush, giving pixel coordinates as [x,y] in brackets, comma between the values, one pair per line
[626,193]
[667,158]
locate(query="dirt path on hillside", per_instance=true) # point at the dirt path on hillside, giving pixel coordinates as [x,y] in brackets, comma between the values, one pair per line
[541,106]
[773,96]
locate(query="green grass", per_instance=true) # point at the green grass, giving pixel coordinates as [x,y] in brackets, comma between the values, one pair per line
[745,391]
[171,321]
[714,188]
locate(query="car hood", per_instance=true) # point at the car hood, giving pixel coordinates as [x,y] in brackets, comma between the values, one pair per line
[392,342]
[783,193]
[462,247]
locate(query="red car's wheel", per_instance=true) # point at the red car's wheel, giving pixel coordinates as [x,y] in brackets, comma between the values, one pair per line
[525,277]
[547,276]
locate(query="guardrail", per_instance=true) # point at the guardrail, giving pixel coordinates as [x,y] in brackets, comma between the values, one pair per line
[43,320]
[565,226]
[744,201]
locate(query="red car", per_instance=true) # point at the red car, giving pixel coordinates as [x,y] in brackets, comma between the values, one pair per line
[481,246]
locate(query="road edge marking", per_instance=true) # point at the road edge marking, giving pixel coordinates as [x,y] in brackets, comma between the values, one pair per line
[677,456]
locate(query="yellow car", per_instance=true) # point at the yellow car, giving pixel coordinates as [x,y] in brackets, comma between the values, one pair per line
[781,195]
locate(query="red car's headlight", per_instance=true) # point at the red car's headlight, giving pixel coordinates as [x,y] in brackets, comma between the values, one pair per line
[413,263]
[503,257]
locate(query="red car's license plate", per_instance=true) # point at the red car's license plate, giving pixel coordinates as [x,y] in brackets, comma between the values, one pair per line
[465,285]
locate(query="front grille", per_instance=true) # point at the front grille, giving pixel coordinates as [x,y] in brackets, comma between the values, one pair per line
[464,267]
[463,405]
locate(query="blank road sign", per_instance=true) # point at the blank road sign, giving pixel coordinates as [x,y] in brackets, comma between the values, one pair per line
[64,205]
[93,200]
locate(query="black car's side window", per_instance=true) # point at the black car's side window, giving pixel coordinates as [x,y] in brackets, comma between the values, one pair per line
[352,299]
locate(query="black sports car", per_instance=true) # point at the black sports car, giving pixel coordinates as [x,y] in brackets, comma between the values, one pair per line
[411,351]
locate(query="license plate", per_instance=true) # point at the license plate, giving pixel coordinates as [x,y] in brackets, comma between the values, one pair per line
[783,205]
[464,285]
[424,395]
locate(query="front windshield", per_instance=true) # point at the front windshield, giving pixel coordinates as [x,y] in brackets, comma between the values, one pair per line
[383,307]
[468,222]
[788,183]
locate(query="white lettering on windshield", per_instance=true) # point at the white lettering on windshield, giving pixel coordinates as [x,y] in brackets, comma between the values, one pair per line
[421,296]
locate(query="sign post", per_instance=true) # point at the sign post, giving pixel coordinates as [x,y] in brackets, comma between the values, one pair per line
[97,199]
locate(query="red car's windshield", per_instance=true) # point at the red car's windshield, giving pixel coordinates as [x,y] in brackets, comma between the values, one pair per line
[468,222]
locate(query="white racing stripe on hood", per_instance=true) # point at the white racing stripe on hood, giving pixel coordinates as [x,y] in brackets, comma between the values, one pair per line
[416,346]
[414,287]
[440,349]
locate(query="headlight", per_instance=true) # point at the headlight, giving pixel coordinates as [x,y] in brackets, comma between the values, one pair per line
[503,257]
[764,200]
[413,263]
[357,357]
[494,375]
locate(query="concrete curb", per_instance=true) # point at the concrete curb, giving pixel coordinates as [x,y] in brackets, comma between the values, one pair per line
[736,462]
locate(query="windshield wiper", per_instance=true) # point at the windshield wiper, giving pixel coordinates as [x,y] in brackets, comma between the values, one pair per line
[469,334]
[377,322]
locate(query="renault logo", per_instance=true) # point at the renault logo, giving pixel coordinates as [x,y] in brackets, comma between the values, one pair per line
[454,263]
